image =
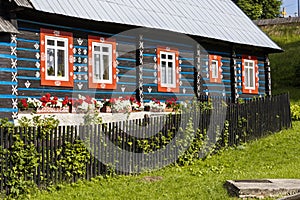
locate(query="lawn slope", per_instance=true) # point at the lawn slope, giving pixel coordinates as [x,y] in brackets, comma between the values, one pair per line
[276,156]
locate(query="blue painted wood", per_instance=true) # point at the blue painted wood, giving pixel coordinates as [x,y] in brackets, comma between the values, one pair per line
[80,47]
[126,83]
[190,59]
[8,56]
[29,41]
[80,73]
[6,44]
[187,87]
[28,69]
[80,81]
[168,94]
[29,78]
[7,96]
[80,64]
[29,29]
[150,84]
[215,85]
[8,110]
[28,49]
[73,91]
[187,66]
[127,59]
[127,76]
[187,73]
[80,56]
[149,55]
[8,83]
[126,68]
[8,70]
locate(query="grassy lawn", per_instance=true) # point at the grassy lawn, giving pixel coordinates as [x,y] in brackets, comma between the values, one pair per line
[276,156]
[285,66]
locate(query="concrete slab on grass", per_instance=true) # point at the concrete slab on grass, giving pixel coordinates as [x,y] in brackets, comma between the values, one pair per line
[262,188]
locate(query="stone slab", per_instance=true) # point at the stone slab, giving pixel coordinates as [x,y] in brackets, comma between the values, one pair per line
[262,188]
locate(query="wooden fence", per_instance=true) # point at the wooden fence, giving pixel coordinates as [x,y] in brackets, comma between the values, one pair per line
[47,157]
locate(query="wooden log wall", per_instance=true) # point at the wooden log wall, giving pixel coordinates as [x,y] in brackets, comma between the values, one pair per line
[20,68]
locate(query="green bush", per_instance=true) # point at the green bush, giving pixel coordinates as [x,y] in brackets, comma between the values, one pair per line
[295,111]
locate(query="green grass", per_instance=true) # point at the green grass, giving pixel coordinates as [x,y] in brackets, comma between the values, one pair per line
[285,66]
[276,156]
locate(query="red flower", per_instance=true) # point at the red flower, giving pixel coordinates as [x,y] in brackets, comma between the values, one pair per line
[24,103]
[65,101]
[132,99]
[88,99]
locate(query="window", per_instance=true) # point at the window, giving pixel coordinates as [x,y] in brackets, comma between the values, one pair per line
[56,58]
[102,59]
[102,63]
[215,68]
[249,76]
[168,70]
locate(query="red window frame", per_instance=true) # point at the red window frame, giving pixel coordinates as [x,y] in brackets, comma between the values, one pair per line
[162,88]
[107,86]
[219,77]
[60,34]
[244,89]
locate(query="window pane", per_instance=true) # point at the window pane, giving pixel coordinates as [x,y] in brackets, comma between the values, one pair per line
[246,77]
[163,56]
[214,69]
[170,57]
[50,62]
[50,42]
[163,72]
[170,73]
[105,49]
[251,77]
[61,63]
[106,67]
[60,43]
[97,66]
[96,48]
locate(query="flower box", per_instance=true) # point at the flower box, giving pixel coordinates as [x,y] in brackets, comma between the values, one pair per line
[168,109]
[27,111]
[52,110]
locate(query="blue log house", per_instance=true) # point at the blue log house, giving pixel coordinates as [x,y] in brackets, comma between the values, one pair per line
[146,48]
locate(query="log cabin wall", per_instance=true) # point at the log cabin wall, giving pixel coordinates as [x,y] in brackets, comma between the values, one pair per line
[8,73]
[136,60]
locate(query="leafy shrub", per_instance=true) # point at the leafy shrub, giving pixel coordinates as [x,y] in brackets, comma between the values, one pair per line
[295,111]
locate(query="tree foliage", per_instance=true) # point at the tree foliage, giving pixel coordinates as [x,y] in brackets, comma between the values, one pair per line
[260,9]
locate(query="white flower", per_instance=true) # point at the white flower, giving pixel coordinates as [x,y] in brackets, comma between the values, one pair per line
[121,105]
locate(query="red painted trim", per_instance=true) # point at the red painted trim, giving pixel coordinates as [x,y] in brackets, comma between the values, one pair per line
[250,91]
[160,87]
[61,34]
[106,86]
[219,78]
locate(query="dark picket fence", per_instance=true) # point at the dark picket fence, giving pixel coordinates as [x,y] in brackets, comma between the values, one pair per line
[224,123]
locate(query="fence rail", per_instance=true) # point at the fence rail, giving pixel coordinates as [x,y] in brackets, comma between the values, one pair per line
[47,157]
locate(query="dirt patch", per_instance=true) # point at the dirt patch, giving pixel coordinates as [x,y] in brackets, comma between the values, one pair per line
[152,178]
